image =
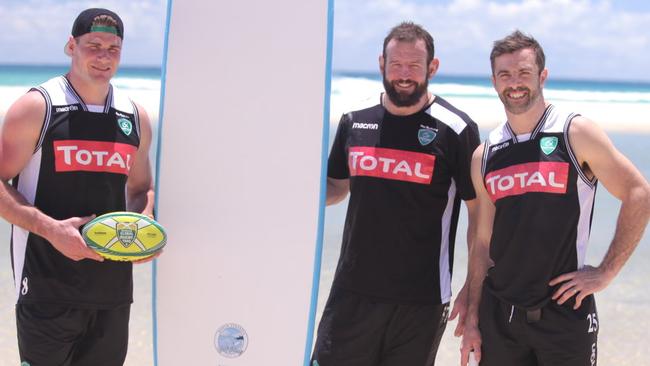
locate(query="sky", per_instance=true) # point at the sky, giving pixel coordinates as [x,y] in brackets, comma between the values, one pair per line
[583,39]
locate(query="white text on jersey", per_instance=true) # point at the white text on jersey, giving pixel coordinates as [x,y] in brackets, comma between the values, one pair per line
[93,156]
[392,164]
[365,126]
[548,177]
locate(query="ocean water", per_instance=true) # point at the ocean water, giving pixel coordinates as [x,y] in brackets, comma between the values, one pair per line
[358,85]
[30,75]
[481,87]
[624,307]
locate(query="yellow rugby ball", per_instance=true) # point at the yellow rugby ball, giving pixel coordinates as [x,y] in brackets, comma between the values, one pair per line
[124,236]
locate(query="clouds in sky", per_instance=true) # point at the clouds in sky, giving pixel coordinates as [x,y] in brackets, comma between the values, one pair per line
[602,39]
[582,38]
[35,31]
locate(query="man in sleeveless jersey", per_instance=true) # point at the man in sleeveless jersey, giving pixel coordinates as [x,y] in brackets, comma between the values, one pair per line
[70,149]
[405,161]
[531,295]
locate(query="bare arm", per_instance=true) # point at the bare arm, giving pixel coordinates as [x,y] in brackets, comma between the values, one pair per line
[596,152]
[337,190]
[462,299]
[479,261]
[20,133]
[139,186]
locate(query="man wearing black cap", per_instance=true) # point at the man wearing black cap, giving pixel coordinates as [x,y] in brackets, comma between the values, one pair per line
[70,149]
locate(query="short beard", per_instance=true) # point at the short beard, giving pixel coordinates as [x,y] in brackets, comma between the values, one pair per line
[532,96]
[405,99]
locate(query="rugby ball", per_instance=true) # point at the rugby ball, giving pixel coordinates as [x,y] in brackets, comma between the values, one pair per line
[124,236]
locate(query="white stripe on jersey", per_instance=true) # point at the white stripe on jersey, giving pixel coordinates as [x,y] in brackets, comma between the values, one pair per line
[27,185]
[48,116]
[447,117]
[572,155]
[586,196]
[445,222]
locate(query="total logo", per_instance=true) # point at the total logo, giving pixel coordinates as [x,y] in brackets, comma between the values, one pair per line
[93,156]
[548,177]
[392,164]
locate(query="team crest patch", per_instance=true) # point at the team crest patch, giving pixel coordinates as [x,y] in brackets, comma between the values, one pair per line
[425,136]
[126,233]
[548,144]
[125,125]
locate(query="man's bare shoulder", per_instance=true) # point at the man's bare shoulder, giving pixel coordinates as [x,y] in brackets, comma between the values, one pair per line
[28,110]
[581,125]
[586,136]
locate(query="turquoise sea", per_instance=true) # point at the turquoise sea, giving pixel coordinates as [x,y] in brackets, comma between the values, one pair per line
[444,85]
[29,75]
[624,307]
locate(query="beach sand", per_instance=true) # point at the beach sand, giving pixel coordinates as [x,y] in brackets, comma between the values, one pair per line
[623,307]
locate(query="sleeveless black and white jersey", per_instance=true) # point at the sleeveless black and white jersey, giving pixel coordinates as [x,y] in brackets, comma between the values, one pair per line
[544,204]
[407,176]
[79,167]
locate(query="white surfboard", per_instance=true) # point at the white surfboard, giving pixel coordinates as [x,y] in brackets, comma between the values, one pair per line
[241,180]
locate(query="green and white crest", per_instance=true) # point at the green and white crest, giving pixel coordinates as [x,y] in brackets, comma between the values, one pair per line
[126,233]
[548,144]
[425,136]
[125,125]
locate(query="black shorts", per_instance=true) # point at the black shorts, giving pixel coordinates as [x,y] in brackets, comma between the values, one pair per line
[50,334]
[355,330]
[554,335]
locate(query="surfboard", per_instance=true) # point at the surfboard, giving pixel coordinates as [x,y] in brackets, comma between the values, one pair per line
[241,181]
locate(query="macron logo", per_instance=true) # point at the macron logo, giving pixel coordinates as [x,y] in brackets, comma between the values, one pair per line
[500,146]
[366,126]
[392,164]
[547,177]
[67,109]
[93,156]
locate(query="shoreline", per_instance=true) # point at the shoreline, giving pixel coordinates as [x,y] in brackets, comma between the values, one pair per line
[625,117]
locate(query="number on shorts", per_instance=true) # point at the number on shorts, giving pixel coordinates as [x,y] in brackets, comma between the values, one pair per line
[593,323]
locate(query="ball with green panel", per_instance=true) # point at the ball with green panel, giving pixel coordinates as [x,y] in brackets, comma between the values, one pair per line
[124,236]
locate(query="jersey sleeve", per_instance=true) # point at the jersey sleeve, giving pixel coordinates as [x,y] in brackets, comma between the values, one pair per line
[467,142]
[337,164]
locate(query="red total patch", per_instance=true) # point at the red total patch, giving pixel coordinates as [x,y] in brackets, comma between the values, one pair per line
[392,164]
[93,156]
[549,177]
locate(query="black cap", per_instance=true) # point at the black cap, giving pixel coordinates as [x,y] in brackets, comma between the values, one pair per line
[84,23]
